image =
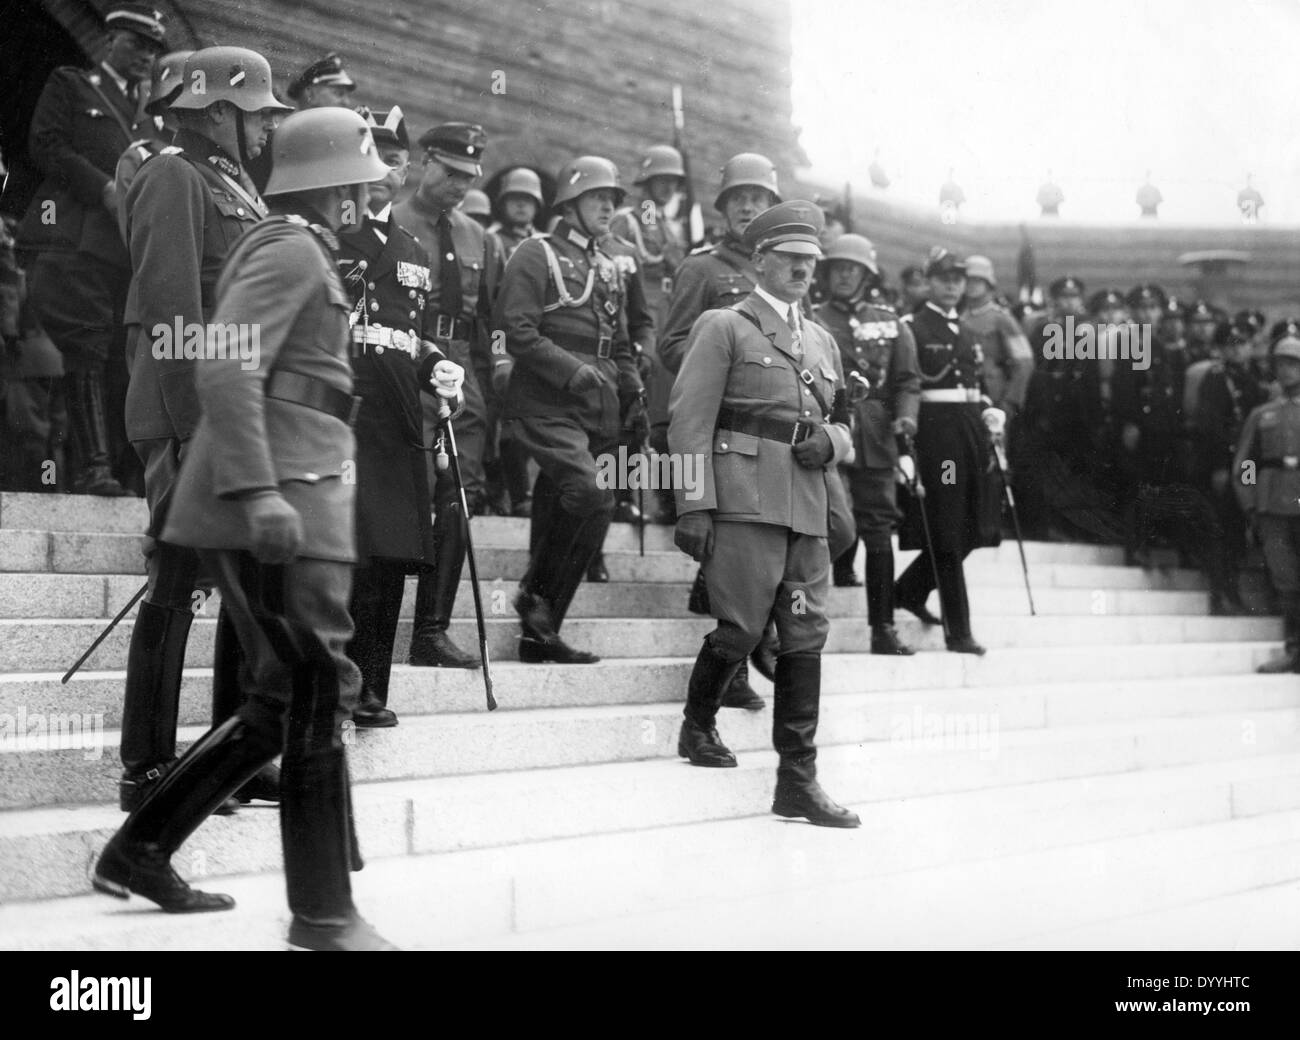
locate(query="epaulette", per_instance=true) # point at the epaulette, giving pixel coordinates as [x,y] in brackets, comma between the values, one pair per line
[171,149]
[706,248]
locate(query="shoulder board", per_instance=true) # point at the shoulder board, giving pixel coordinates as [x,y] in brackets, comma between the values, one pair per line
[171,149]
[702,250]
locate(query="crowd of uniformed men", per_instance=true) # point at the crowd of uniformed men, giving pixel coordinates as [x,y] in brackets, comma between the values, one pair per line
[308,482]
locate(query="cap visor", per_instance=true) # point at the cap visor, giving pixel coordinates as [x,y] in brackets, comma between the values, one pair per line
[459,163]
[795,246]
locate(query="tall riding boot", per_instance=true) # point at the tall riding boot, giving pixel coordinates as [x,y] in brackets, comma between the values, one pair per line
[558,562]
[956,606]
[375,606]
[795,711]
[545,501]
[1290,659]
[514,473]
[914,587]
[843,574]
[435,596]
[154,665]
[138,857]
[739,694]
[764,655]
[1225,597]
[89,430]
[227,696]
[880,604]
[699,740]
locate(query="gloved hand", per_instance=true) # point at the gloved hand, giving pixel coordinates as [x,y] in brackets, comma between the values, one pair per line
[587,378]
[274,527]
[995,421]
[904,426]
[906,471]
[815,451]
[643,363]
[501,372]
[694,534]
[447,379]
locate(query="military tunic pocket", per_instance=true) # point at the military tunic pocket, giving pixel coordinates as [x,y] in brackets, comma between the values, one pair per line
[764,375]
[735,472]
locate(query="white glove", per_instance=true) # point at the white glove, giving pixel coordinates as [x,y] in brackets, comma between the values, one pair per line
[447,379]
[995,421]
[906,469]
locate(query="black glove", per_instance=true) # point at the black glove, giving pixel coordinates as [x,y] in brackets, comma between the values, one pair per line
[815,451]
[586,378]
[694,534]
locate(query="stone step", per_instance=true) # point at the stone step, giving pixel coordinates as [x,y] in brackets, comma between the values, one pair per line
[101,596]
[685,844]
[73,767]
[40,645]
[1066,691]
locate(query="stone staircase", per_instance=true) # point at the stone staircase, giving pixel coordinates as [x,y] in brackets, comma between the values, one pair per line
[1113,767]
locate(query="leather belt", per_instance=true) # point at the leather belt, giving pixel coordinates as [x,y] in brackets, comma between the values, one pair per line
[769,429]
[382,338]
[956,396]
[601,347]
[450,327]
[314,393]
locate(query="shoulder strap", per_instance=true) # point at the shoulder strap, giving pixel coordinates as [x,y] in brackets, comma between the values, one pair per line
[557,279]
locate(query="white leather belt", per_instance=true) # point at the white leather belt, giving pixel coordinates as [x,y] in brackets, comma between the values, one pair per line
[958,396]
[382,338]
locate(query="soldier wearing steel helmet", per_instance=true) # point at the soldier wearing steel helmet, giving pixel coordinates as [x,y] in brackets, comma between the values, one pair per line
[761,399]
[659,239]
[476,204]
[1266,478]
[519,203]
[164,87]
[184,211]
[875,343]
[264,499]
[562,310]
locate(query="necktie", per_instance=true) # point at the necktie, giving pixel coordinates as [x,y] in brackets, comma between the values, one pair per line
[796,337]
[450,299]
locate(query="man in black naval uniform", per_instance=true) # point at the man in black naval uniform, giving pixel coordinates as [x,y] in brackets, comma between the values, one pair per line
[761,399]
[714,276]
[562,308]
[77,285]
[263,497]
[954,461]
[386,273]
[878,345]
[184,211]
[463,274]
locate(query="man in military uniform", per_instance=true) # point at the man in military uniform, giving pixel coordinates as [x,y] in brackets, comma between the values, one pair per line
[185,210]
[1205,328]
[761,399]
[915,288]
[875,343]
[263,497]
[163,90]
[463,273]
[382,263]
[714,276]
[477,205]
[83,121]
[518,205]
[962,503]
[1266,478]
[1008,359]
[561,308]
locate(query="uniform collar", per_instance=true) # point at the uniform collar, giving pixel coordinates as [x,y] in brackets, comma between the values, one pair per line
[780,306]
[384,215]
[568,233]
[209,151]
[117,78]
[982,307]
[947,315]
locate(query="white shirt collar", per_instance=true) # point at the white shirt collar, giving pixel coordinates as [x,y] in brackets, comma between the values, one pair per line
[950,315]
[780,306]
[384,214]
[121,82]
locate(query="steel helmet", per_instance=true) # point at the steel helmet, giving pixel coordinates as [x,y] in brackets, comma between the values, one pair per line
[233,74]
[521,181]
[981,267]
[1288,346]
[166,82]
[476,204]
[748,169]
[855,248]
[323,148]
[660,160]
[588,173]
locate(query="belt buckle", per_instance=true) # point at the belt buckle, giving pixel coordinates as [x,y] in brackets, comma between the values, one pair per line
[794,433]
[605,346]
[444,327]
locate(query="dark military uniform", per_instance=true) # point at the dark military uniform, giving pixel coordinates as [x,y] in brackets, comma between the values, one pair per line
[508,239]
[1266,478]
[388,277]
[955,465]
[711,277]
[874,341]
[561,306]
[77,285]
[184,211]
